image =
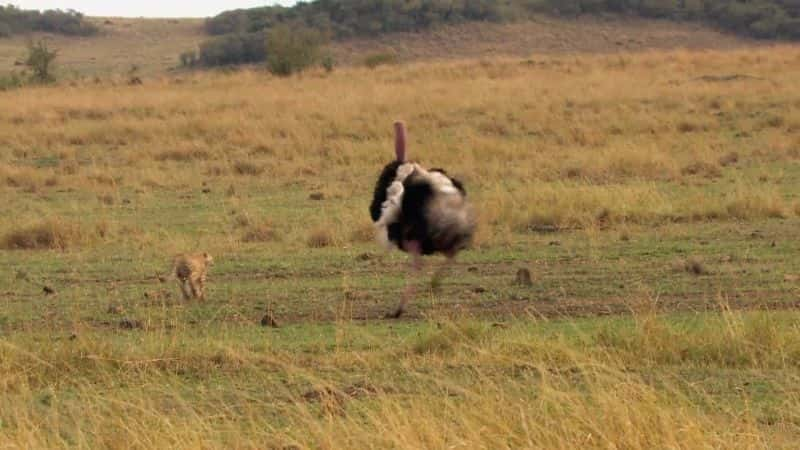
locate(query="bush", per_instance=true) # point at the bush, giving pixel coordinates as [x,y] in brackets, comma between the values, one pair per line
[261,232]
[329,63]
[189,58]
[41,61]
[11,80]
[292,50]
[242,48]
[14,20]
[320,238]
[379,59]
[53,234]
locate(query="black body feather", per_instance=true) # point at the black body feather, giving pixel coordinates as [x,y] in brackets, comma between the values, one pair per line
[414,222]
[388,175]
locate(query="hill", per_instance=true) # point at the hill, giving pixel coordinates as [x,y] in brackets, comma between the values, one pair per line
[346,18]
[543,35]
[153,45]
[239,35]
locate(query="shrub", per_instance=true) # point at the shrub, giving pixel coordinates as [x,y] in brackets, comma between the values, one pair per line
[41,61]
[292,50]
[328,63]
[14,20]
[12,80]
[48,235]
[242,48]
[379,59]
[247,168]
[320,238]
[261,232]
[189,58]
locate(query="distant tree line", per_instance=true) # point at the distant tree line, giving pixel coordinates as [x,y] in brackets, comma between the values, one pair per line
[241,35]
[14,20]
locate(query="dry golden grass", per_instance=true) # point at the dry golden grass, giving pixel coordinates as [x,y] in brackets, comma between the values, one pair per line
[638,144]
[263,231]
[571,142]
[649,384]
[626,142]
[52,234]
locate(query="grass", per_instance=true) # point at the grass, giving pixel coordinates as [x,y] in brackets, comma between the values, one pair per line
[652,381]
[655,210]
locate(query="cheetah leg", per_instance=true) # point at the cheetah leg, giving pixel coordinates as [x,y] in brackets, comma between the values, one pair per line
[184,289]
[414,249]
[202,288]
[196,289]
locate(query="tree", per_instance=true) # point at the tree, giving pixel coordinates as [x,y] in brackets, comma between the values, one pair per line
[41,61]
[292,50]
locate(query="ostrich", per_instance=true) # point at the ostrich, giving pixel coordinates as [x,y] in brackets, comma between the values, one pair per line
[421,212]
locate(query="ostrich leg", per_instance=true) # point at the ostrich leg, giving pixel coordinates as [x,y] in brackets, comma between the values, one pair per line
[442,271]
[414,250]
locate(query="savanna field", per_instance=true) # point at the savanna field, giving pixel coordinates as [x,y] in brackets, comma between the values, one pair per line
[652,196]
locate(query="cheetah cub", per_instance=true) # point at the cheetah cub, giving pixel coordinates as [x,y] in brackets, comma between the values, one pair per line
[191,269]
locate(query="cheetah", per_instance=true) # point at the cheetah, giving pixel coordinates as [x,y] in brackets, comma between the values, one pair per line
[191,269]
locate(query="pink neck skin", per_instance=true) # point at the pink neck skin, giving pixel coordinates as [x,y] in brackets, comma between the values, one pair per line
[400,141]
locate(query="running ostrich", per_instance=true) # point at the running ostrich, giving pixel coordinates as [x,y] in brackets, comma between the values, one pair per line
[421,212]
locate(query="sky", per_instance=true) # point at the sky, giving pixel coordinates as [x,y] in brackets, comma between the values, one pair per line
[145,8]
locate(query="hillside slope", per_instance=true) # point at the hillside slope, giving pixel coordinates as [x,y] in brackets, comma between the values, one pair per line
[544,35]
[153,45]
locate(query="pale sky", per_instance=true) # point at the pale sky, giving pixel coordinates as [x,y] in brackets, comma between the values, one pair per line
[146,8]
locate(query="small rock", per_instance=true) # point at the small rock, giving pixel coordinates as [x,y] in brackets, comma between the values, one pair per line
[317,196]
[524,278]
[48,290]
[269,321]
